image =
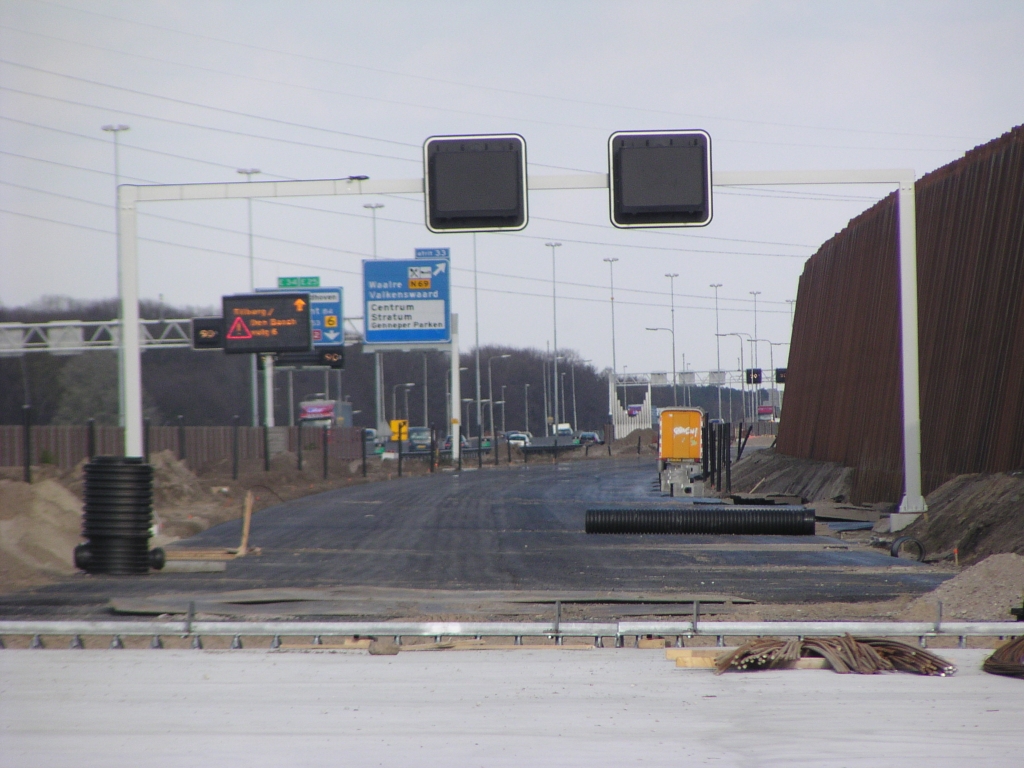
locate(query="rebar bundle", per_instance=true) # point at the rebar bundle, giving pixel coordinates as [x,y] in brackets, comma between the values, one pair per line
[863,656]
[1007,659]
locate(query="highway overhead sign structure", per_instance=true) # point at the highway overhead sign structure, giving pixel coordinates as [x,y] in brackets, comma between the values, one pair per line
[267,322]
[475,183]
[659,178]
[407,301]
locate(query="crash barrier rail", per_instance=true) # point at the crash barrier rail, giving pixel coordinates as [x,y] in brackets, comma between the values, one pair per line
[553,630]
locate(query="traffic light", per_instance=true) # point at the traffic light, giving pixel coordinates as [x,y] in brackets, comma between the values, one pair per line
[780,375]
[659,178]
[475,183]
[753,375]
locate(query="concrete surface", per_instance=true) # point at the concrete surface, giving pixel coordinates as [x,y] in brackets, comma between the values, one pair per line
[494,708]
[501,529]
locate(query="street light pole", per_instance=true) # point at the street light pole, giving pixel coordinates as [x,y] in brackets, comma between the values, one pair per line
[611,286]
[503,408]
[122,396]
[378,360]
[575,424]
[554,323]
[753,361]
[718,350]
[526,406]
[426,420]
[743,389]
[394,399]
[672,331]
[253,375]
[672,289]
[476,324]
[490,387]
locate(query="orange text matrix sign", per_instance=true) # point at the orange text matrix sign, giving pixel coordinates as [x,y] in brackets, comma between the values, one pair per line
[267,322]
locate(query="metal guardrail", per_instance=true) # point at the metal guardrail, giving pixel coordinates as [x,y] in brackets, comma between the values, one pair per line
[555,630]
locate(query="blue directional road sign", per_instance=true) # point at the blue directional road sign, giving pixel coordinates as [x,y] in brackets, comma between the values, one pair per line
[433,253]
[325,315]
[407,301]
[325,305]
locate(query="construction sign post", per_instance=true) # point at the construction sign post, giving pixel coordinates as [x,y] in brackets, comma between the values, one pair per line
[267,322]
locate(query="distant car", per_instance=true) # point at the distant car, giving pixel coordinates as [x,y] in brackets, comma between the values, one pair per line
[419,440]
[462,441]
[590,438]
[518,439]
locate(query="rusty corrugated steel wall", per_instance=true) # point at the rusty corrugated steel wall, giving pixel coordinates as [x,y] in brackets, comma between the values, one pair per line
[843,391]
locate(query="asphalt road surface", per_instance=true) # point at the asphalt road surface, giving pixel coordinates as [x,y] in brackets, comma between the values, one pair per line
[506,529]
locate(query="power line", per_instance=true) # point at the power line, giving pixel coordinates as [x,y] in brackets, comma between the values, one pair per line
[228,131]
[348,271]
[304,244]
[495,89]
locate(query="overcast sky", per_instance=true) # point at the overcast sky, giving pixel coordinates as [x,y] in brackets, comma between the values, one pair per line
[306,90]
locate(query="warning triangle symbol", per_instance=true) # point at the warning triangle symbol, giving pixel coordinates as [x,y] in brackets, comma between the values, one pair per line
[239,330]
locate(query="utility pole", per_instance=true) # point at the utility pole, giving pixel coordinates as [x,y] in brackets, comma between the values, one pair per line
[753,361]
[121,390]
[526,405]
[253,373]
[426,420]
[672,290]
[718,352]
[378,360]
[476,322]
[554,324]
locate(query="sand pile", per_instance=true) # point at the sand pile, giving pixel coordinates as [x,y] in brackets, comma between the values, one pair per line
[983,592]
[40,524]
[174,483]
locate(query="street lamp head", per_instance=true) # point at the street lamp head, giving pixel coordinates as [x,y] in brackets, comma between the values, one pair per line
[248,171]
[552,245]
[716,285]
[373,206]
[115,128]
[504,357]
[612,259]
[672,274]
[409,384]
[357,178]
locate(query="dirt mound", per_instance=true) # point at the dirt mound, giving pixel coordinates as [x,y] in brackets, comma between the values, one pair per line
[40,524]
[980,515]
[626,446]
[173,482]
[984,592]
[767,471]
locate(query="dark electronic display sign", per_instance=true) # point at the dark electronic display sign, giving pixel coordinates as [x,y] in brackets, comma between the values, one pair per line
[475,183]
[267,322]
[320,357]
[207,333]
[660,179]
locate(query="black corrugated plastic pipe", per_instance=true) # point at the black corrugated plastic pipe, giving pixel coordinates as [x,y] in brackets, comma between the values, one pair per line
[705,518]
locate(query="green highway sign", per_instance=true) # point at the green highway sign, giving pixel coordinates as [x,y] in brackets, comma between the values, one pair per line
[298,282]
